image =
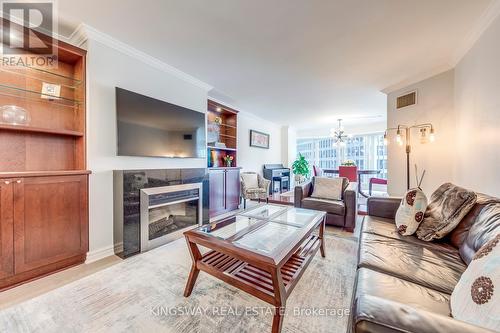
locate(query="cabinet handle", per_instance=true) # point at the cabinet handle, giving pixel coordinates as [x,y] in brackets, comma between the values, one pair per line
[18,181]
[7,182]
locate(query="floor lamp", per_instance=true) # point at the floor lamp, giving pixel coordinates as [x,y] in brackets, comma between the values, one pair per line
[426,134]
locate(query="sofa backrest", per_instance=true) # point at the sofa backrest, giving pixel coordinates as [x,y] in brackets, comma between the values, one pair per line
[479,226]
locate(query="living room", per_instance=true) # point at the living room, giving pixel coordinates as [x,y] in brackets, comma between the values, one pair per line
[390,222]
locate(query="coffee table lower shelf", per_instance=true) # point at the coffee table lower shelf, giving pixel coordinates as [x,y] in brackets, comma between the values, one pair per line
[255,280]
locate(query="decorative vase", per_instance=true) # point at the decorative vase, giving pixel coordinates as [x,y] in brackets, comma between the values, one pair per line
[228,163]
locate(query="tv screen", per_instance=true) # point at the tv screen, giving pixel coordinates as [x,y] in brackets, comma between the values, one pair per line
[150,127]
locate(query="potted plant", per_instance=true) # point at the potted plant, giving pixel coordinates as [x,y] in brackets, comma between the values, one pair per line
[300,168]
[349,163]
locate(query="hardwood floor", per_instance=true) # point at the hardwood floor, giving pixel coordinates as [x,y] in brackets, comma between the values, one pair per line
[43,285]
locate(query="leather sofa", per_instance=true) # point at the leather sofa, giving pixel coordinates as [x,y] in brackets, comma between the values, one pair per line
[404,284]
[340,213]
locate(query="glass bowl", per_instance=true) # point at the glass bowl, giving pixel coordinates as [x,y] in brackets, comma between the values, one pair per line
[15,115]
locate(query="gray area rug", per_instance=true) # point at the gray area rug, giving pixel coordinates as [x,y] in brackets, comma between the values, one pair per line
[144,294]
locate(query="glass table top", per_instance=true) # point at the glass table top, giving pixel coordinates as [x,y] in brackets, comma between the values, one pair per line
[229,228]
[265,211]
[268,237]
[265,228]
[295,216]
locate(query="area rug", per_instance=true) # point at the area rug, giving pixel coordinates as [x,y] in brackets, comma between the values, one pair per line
[145,294]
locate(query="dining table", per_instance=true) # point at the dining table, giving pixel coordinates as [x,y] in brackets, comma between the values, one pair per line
[360,173]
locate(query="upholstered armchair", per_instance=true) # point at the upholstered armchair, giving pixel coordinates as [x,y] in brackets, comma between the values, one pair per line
[253,186]
[341,213]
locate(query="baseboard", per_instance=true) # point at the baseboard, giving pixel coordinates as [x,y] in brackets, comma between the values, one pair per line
[100,254]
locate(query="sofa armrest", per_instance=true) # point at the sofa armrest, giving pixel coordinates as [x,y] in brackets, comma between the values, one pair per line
[383,207]
[302,191]
[351,205]
[375,314]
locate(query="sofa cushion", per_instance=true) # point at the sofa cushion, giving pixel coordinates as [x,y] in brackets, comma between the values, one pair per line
[448,206]
[485,228]
[385,227]
[428,266]
[370,282]
[476,299]
[336,207]
[372,314]
[327,188]
[411,212]
[256,190]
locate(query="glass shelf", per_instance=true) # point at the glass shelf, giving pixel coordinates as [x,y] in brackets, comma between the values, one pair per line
[227,136]
[221,148]
[42,75]
[16,92]
[223,125]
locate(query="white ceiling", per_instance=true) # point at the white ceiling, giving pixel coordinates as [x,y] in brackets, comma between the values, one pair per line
[294,62]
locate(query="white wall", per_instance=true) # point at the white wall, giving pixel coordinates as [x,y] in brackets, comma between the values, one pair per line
[435,99]
[252,158]
[108,68]
[477,103]
[288,145]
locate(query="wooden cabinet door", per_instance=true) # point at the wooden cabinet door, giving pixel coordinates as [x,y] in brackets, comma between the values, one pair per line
[232,189]
[50,220]
[217,201]
[6,228]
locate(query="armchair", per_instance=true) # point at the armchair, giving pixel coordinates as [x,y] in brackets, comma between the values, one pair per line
[253,186]
[341,213]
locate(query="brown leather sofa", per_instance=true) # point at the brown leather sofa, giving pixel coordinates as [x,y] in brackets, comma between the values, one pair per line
[341,213]
[404,284]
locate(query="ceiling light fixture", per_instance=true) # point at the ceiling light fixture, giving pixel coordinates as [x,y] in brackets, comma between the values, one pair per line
[339,135]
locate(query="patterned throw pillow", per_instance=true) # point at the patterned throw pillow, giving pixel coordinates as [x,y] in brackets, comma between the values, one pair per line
[411,212]
[476,297]
[449,204]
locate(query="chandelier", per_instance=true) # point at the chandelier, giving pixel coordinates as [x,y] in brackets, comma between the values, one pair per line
[338,135]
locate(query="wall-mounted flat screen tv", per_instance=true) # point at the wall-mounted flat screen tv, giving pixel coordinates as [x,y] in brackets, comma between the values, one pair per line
[150,127]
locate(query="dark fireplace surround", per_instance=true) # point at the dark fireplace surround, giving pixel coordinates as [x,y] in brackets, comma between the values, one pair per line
[127,201]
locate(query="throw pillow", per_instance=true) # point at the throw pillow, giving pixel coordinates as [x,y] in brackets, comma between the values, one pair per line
[476,297]
[449,204]
[250,180]
[411,212]
[327,188]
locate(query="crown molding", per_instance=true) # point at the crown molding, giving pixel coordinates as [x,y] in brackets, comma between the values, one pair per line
[485,20]
[243,112]
[85,32]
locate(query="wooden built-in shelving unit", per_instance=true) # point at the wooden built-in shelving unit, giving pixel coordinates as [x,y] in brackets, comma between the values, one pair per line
[43,172]
[222,127]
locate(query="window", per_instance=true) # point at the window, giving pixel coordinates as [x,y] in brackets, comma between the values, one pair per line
[367,151]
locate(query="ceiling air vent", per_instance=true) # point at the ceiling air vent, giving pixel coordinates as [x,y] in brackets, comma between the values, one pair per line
[406,100]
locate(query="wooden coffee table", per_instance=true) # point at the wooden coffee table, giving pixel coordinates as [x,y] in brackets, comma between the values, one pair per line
[263,251]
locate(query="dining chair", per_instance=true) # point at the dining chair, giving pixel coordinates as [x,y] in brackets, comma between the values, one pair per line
[349,172]
[374,180]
